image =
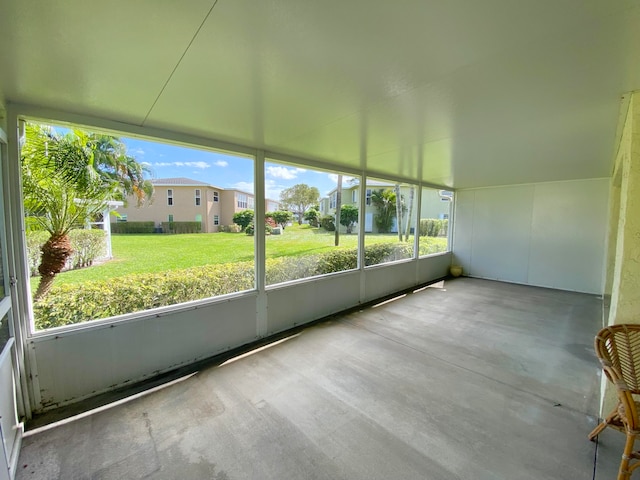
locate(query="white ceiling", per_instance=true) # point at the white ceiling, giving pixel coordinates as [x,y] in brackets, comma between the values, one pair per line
[458,93]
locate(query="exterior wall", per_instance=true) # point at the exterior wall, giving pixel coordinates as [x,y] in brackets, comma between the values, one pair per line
[622,284]
[184,208]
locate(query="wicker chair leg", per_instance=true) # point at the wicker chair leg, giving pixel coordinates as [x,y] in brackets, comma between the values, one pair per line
[602,425]
[624,473]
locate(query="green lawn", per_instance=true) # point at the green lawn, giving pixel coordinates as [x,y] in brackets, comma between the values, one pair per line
[158,253]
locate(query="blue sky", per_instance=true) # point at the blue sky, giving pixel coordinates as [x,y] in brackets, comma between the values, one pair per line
[166,161]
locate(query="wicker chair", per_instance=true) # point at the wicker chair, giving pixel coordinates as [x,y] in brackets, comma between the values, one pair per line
[618,348]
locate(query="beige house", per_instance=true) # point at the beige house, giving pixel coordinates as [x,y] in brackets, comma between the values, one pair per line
[434,204]
[187,200]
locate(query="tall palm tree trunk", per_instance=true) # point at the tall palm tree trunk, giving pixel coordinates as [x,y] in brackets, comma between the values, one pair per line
[55,253]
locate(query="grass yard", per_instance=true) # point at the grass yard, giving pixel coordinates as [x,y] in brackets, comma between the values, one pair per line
[159,253]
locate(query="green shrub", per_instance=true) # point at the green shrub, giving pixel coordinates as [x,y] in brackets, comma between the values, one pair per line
[250,230]
[312,216]
[181,227]
[87,245]
[243,218]
[69,304]
[445,227]
[231,228]
[430,227]
[328,222]
[133,227]
[35,240]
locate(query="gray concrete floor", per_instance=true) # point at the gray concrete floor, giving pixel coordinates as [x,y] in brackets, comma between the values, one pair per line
[474,380]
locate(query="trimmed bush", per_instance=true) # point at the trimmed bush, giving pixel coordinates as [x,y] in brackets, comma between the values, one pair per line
[69,304]
[231,228]
[430,227]
[328,222]
[87,245]
[133,227]
[181,227]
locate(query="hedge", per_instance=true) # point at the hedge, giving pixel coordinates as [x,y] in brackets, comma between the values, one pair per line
[433,227]
[87,246]
[133,227]
[181,227]
[68,304]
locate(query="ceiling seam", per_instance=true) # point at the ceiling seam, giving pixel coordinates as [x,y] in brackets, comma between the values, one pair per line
[178,63]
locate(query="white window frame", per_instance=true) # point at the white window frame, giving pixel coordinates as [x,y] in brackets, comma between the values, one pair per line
[241,200]
[354,195]
[216,196]
[216,220]
[368,197]
[170,197]
[198,198]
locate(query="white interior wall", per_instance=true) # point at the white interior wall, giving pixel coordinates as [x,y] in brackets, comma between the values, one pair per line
[543,234]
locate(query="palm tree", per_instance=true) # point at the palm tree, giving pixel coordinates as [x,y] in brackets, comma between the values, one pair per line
[67,180]
[111,161]
[385,203]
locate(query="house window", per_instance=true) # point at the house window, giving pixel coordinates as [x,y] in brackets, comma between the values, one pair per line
[354,196]
[216,220]
[333,200]
[121,218]
[251,203]
[197,197]
[171,218]
[242,200]
[215,196]
[170,198]
[368,199]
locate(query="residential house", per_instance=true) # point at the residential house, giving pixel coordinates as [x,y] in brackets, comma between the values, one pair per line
[187,200]
[435,203]
[179,200]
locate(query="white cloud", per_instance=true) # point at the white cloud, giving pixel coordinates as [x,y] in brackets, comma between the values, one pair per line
[283,172]
[345,179]
[137,151]
[221,163]
[244,186]
[146,164]
[271,188]
[200,165]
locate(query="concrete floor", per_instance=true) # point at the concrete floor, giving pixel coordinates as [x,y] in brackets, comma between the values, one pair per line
[475,380]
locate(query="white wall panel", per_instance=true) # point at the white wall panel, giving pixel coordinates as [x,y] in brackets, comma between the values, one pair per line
[383,280]
[433,267]
[303,302]
[501,233]
[78,364]
[568,235]
[463,227]
[9,428]
[547,234]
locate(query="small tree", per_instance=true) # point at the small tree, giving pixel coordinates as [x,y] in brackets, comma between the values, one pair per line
[281,217]
[299,199]
[243,218]
[348,216]
[313,217]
